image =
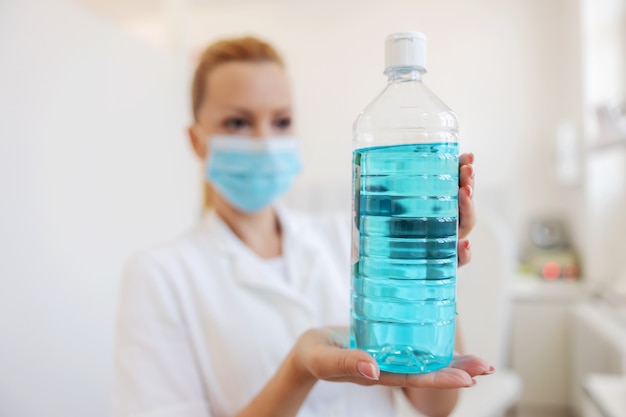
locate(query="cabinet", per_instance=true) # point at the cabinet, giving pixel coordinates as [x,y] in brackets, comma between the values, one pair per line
[541,340]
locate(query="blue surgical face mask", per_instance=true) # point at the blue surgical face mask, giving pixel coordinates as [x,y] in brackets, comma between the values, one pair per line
[252,173]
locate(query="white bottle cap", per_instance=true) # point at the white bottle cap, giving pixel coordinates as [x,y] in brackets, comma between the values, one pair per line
[405,49]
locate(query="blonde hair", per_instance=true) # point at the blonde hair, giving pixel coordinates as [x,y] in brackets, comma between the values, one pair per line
[245,49]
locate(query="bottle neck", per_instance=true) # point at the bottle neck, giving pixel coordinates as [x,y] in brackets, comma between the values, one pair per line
[405,74]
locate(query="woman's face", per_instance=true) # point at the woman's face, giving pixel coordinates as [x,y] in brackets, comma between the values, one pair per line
[250,99]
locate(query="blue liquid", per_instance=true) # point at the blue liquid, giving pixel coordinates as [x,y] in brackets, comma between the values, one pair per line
[404,274]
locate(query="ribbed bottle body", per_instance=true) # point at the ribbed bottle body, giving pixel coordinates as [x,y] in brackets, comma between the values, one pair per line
[405,216]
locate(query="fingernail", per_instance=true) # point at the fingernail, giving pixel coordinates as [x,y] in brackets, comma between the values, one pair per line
[471,168]
[468,244]
[470,191]
[490,371]
[368,370]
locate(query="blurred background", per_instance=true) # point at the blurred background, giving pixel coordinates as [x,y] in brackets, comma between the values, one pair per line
[95,164]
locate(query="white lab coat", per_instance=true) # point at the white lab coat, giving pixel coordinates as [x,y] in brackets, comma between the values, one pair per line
[204,323]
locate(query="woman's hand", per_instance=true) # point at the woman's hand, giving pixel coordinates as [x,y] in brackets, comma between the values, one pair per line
[322,353]
[467,216]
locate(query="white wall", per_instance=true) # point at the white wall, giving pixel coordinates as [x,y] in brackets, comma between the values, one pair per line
[93,165]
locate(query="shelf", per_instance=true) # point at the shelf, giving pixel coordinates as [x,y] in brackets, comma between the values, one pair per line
[534,288]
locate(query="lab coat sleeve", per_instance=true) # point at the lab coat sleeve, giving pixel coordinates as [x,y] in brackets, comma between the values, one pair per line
[155,371]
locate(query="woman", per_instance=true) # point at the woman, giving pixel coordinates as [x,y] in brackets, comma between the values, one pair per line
[235,317]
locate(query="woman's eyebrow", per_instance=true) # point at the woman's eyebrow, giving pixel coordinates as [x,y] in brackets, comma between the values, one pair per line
[240,110]
[283,110]
[245,112]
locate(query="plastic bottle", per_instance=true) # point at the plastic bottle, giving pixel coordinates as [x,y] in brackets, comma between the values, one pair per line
[405,212]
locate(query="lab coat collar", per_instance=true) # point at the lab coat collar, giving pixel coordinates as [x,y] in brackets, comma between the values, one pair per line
[299,254]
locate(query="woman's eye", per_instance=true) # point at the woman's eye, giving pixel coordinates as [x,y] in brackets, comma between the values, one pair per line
[283,123]
[236,123]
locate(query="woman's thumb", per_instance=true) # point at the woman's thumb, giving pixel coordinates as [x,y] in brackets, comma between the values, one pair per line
[333,362]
